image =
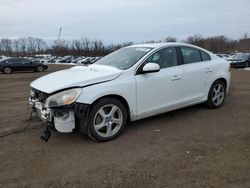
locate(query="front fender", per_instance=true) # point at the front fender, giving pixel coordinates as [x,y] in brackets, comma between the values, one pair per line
[124,89]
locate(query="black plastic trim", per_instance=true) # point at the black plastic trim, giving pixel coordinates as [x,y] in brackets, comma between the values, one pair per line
[82,113]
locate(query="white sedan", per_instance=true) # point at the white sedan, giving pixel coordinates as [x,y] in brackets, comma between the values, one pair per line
[129,84]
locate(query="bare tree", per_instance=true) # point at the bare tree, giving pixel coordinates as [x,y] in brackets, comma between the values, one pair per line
[23,45]
[40,45]
[16,46]
[6,45]
[77,46]
[31,45]
[86,45]
[170,39]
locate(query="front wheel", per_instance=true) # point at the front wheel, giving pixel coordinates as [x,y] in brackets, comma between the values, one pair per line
[246,64]
[216,94]
[7,70]
[107,119]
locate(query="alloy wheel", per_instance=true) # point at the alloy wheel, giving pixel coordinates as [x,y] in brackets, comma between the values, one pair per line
[39,69]
[108,120]
[218,94]
[7,70]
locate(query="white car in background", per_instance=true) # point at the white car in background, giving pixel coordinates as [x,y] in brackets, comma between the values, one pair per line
[129,84]
[83,60]
[225,56]
[2,57]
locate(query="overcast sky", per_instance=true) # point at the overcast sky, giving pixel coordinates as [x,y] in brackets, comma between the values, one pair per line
[123,20]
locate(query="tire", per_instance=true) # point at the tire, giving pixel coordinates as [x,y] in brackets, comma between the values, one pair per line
[107,119]
[39,69]
[216,95]
[246,64]
[7,70]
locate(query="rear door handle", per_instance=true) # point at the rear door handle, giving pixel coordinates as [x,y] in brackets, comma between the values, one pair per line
[209,70]
[176,77]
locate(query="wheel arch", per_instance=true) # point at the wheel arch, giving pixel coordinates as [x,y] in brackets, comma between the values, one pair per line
[7,66]
[118,97]
[223,80]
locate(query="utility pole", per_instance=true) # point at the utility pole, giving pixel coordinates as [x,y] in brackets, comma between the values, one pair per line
[59,34]
[58,41]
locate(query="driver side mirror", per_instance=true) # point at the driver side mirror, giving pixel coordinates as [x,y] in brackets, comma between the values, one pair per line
[151,67]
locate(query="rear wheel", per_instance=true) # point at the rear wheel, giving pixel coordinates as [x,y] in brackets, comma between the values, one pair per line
[216,94]
[7,70]
[246,64]
[107,119]
[39,69]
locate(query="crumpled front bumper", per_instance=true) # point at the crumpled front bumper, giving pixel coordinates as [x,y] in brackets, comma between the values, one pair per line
[45,114]
[63,119]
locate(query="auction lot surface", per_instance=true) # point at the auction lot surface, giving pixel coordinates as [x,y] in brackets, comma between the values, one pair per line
[192,147]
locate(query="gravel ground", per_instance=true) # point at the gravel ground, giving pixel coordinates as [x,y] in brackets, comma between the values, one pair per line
[192,147]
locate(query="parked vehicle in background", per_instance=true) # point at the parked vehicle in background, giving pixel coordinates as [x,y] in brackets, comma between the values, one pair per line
[83,60]
[7,66]
[35,60]
[46,60]
[69,60]
[64,59]
[88,60]
[58,59]
[241,60]
[94,59]
[129,84]
[76,59]
[2,57]
[224,56]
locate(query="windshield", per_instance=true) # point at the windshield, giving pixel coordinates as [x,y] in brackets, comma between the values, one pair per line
[124,58]
[240,56]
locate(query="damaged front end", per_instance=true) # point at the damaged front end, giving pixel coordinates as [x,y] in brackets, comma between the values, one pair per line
[60,111]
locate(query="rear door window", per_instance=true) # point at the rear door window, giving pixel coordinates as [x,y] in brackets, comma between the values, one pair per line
[25,61]
[190,55]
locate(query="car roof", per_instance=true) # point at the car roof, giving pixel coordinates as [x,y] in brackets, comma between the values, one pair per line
[159,45]
[167,44]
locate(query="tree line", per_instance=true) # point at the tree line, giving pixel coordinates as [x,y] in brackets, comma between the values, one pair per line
[86,47]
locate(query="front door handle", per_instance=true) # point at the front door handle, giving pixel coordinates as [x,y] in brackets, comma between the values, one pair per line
[176,77]
[209,70]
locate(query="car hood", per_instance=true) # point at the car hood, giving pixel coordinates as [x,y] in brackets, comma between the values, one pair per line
[78,76]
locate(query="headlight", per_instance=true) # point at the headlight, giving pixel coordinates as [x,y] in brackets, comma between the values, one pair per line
[63,98]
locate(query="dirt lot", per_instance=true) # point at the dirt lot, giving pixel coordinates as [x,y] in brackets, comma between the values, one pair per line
[192,147]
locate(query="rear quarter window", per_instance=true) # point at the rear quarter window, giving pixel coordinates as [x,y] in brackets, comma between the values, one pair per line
[205,56]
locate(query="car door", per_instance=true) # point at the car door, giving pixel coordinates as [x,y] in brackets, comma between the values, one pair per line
[159,91]
[197,71]
[28,65]
[16,64]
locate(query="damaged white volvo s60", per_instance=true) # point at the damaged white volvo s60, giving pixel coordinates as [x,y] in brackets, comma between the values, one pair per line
[132,83]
